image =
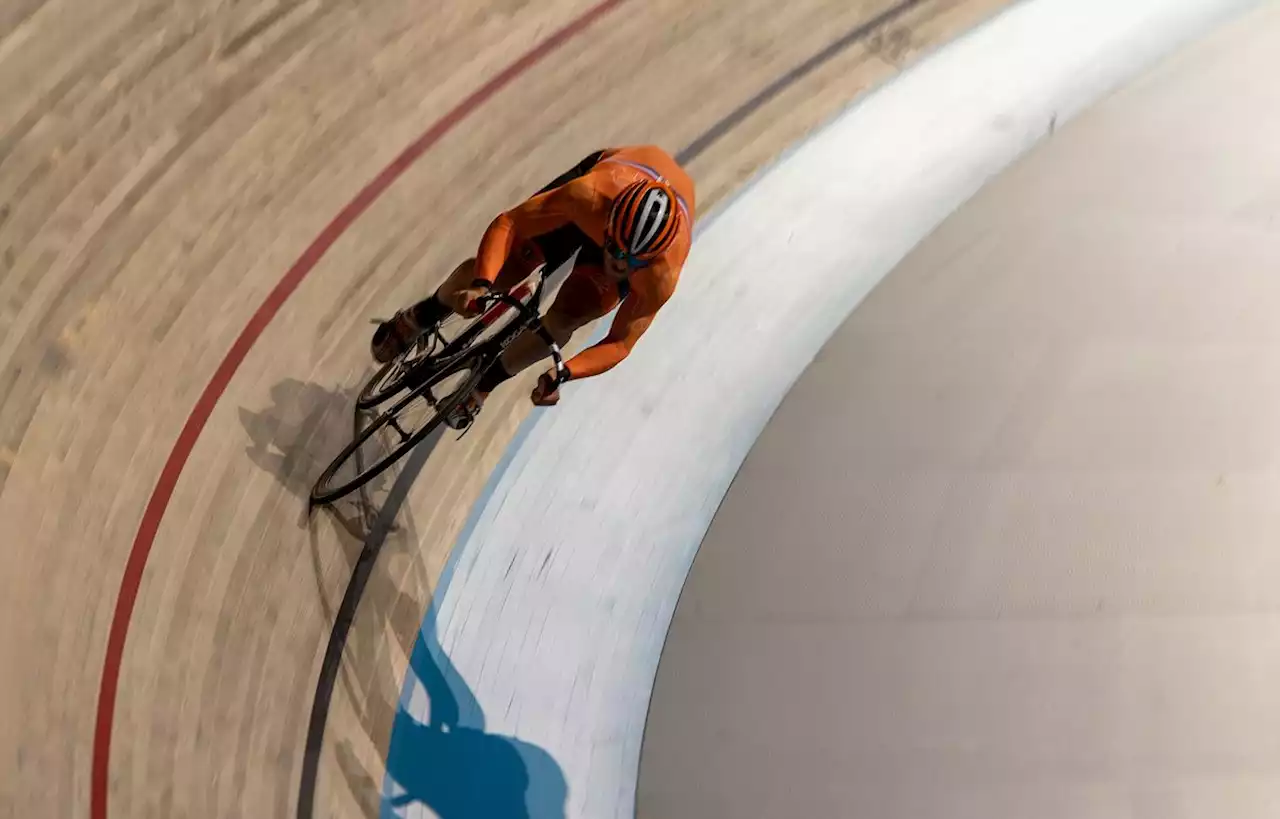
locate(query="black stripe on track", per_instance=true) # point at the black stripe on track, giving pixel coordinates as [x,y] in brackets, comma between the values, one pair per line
[713,134]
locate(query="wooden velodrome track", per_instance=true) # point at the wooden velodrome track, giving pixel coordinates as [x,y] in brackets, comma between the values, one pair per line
[202,204]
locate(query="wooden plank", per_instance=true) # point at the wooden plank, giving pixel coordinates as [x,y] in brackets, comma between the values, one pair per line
[161,166]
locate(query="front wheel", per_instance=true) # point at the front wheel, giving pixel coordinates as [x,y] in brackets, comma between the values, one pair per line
[404,425]
[400,372]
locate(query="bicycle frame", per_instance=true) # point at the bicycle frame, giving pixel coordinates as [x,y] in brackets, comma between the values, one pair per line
[470,356]
[530,319]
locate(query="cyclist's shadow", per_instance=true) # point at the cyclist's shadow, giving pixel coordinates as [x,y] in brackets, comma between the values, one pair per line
[452,765]
[448,762]
[305,426]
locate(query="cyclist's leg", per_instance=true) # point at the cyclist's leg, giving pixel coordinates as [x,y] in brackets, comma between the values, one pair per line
[586,295]
[396,334]
[554,249]
[525,258]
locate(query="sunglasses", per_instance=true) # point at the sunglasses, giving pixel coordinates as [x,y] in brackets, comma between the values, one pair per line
[621,255]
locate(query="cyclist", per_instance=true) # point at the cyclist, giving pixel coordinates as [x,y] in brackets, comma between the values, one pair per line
[628,213]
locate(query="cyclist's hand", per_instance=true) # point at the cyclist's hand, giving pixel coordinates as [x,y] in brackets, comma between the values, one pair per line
[546,393]
[468,301]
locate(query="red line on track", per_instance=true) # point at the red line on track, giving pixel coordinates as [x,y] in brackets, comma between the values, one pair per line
[163,491]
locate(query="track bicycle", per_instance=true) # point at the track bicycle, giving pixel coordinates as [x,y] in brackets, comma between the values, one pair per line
[430,379]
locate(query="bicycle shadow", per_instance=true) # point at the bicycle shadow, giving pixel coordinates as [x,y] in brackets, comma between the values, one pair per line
[377,542]
[450,763]
[307,425]
[290,438]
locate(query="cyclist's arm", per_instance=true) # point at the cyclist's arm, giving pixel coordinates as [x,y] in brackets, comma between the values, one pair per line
[535,216]
[634,316]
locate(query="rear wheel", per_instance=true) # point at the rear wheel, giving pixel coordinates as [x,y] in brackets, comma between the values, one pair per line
[401,427]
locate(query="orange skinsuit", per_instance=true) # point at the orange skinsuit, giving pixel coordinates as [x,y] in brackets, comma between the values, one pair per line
[584,202]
